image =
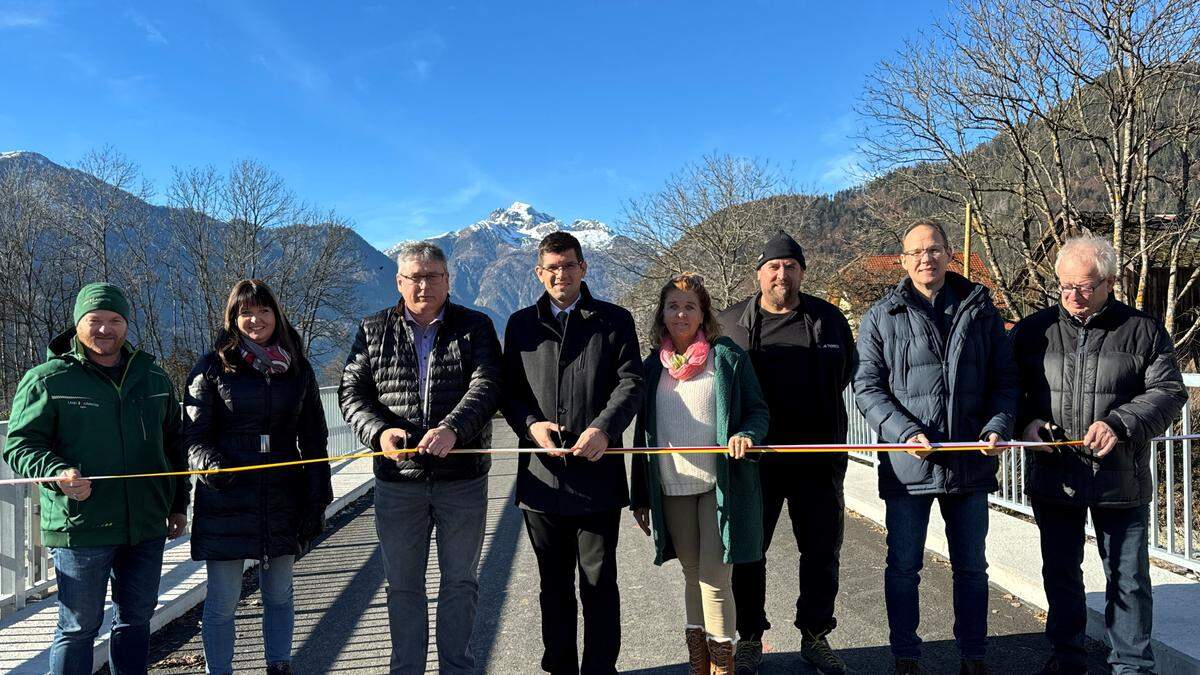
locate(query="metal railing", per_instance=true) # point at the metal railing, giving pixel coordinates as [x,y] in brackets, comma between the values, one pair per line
[1173,506]
[26,569]
[25,566]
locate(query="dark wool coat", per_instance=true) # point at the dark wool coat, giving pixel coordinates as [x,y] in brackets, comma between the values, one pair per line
[254,514]
[741,411]
[588,376]
[909,378]
[1119,368]
[380,389]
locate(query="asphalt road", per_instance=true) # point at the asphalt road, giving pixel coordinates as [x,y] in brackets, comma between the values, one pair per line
[341,618]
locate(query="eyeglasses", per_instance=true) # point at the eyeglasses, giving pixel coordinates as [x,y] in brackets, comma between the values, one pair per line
[565,268]
[688,276]
[1084,290]
[423,279]
[934,252]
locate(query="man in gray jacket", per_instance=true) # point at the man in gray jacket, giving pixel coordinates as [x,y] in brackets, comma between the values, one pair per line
[1095,369]
[936,366]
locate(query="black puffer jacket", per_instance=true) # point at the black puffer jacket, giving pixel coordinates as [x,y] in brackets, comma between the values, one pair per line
[256,513]
[911,381]
[1119,368]
[380,390]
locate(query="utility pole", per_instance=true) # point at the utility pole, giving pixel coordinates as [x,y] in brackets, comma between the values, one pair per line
[967,244]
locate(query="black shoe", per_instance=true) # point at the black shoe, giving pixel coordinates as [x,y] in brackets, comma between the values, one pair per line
[283,668]
[907,667]
[816,650]
[748,657]
[972,667]
[1057,667]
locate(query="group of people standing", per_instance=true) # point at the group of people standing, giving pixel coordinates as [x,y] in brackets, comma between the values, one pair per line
[424,378]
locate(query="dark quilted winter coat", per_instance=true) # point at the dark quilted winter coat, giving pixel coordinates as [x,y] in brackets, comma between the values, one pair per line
[254,514]
[380,389]
[1120,368]
[909,378]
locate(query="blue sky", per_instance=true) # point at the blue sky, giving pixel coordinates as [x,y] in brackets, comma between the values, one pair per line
[414,118]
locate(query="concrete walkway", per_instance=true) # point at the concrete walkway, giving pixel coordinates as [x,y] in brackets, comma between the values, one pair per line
[27,633]
[1015,564]
[341,619]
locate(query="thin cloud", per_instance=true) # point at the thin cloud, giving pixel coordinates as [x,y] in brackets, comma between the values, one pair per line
[153,34]
[842,172]
[25,17]
[413,58]
[400,220]
[279,53]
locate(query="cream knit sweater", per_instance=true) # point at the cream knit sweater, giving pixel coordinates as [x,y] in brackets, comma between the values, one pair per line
[686,412]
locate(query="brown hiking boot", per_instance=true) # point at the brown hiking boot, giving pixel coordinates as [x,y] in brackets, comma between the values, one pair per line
[697,646]
[720,657]
[748,657]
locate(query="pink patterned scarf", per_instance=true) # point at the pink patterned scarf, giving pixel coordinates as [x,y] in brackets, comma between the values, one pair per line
[684,366]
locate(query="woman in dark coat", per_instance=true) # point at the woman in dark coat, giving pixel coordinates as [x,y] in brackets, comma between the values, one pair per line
[705,509]
[254,400]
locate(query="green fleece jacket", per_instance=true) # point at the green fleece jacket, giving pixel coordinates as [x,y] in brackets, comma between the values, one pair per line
[741,411]
[68,413]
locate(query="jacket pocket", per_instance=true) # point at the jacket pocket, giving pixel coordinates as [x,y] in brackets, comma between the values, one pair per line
[151,411]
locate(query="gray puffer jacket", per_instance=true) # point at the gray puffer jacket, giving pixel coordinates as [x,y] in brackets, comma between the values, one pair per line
[910,381]
[1119,368]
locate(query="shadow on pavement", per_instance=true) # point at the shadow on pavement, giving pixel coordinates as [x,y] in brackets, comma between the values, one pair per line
[1008,654]
[494,574]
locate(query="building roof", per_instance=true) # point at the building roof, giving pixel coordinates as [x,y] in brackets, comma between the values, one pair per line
[890,271]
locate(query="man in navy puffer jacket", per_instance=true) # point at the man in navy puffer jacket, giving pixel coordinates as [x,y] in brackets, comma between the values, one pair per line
[935,366]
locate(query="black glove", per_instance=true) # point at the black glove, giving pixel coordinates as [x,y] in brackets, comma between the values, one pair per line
[216,481]
[312,524]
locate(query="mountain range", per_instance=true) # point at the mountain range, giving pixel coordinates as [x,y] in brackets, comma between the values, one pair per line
[492,260]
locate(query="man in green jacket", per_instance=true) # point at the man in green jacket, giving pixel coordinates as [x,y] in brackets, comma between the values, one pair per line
[99,407]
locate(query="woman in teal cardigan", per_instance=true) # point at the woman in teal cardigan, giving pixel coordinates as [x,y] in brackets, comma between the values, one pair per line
[703,508]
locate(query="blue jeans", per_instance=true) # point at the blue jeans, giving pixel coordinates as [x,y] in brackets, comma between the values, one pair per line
[1122,538]
[224,589]
[406,514]
[83,575]
[966,519]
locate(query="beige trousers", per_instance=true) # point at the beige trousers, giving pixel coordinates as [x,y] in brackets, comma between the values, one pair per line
[708,581]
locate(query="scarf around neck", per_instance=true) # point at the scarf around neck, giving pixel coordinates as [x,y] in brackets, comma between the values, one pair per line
[270,360]
[686,365]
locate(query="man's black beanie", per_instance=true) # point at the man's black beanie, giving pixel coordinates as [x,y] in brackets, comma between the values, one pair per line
[781,246]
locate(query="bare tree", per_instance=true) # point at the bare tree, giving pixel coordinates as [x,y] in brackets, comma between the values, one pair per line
[710,218]
[1036,111]
[256,201]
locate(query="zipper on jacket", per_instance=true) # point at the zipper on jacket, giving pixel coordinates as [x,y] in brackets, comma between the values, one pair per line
[264,449]
[1080,358]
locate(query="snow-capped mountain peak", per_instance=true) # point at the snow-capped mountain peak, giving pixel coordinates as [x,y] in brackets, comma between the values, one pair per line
[520,225]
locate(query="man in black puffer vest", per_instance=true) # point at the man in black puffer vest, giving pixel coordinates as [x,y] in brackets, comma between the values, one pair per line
[804,355]
[1095,369]
[423,379]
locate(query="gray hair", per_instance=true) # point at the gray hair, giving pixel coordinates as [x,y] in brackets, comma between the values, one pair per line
[421,251]
[1097,250]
